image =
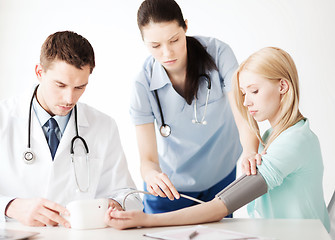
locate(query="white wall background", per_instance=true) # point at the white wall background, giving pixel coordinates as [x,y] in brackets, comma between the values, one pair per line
[304,28]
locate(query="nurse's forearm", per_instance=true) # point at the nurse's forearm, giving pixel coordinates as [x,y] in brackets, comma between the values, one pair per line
[148,167]
[147,145]
[211,211]
[157,182]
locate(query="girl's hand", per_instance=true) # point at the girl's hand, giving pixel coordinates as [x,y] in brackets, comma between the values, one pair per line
[250,161]
[123,219]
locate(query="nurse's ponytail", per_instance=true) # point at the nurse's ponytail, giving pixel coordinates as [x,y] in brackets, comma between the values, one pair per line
[199,62]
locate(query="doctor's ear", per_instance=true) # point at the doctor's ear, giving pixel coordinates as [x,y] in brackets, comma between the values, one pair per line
[284,86]
[38,71]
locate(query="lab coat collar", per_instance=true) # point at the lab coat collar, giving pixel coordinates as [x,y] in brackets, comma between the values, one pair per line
[23,103]
[159,77]
[82,115]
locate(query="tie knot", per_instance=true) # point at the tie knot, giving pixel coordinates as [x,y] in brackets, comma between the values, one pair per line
[52,124]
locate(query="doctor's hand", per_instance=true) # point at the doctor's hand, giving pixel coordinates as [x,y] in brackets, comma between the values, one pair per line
[37,212]
[159,184]
[250,161]
[114,205]
[127,219]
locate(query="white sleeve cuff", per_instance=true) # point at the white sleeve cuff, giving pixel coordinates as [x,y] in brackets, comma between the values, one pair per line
[4,201]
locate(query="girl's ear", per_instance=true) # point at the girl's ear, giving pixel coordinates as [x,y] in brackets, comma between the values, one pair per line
[186,24]
[284,86]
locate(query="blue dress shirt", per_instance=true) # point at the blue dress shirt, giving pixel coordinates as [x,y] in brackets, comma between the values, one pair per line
[43,116]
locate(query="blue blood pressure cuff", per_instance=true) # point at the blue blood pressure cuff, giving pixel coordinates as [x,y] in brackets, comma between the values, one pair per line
[242,191]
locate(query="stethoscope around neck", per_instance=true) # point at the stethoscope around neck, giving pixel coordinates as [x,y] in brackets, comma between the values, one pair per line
[29,155]
[165,129]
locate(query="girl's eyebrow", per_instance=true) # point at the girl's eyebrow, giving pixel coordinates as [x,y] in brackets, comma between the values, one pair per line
[250,85]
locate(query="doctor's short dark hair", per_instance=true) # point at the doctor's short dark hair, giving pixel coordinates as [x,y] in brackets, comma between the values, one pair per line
[67,46]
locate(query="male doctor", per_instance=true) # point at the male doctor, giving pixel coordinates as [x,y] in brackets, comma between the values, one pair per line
[35,192]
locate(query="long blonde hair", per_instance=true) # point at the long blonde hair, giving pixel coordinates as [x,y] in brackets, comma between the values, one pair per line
[273,64]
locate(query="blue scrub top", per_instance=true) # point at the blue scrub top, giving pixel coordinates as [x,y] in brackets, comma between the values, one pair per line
[195,157]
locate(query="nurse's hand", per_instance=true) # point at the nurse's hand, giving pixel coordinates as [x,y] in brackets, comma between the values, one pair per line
[123,219]
[250,161]
[37,212]
[159,184]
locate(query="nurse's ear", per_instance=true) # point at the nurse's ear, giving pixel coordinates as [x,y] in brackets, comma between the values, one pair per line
[38,71]
[284,86]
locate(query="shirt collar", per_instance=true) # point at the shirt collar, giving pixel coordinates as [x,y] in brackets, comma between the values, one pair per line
[43,116]
[159,77]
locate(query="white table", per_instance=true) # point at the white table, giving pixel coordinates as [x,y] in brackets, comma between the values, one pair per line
[271,228]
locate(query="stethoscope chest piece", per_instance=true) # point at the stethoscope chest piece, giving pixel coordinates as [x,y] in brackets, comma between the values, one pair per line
[28,156]
[165,130]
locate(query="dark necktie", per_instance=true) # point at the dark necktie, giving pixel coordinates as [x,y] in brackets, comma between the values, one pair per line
[52,137]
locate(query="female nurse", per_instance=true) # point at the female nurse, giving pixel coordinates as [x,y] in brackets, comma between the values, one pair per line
[184,88]
[289,180]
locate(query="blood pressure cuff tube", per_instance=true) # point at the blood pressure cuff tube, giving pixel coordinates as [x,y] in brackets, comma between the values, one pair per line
[242,191]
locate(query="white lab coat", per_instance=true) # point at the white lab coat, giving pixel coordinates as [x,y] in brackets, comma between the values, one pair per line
[54,180]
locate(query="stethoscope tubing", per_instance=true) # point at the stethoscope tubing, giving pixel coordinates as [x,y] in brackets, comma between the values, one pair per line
[29,116]
[160,108]
[75,121]
[32,156]
[165,129]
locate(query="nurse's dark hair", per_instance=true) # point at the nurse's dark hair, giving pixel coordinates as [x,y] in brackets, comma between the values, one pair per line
[67,46]
[198,60]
